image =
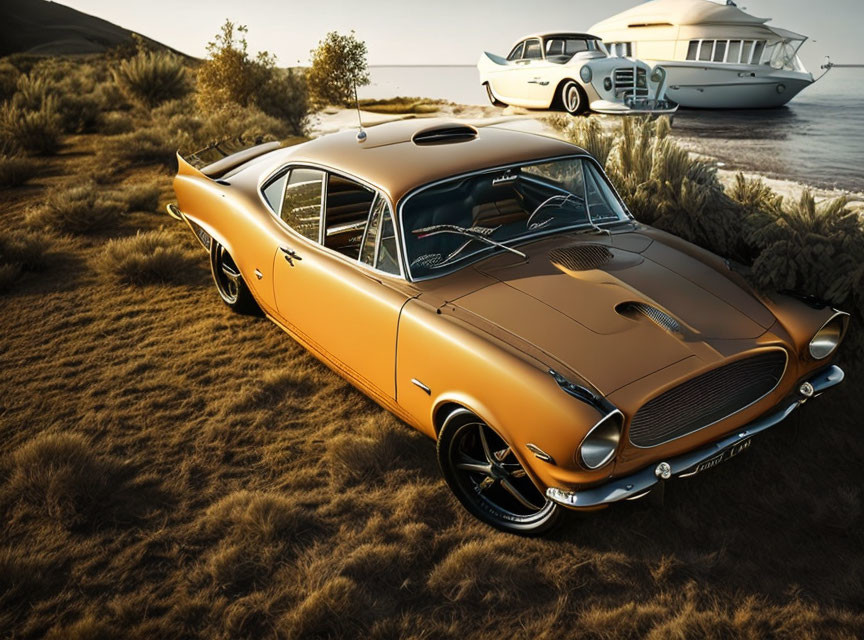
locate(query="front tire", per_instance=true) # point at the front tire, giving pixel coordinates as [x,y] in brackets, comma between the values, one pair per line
[488,479]
[495,101]
[572,98]
[229,281]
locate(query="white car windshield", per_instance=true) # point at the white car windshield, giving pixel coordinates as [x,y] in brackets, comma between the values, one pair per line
[451,223]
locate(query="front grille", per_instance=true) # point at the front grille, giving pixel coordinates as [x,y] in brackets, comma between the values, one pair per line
[630,82]
[581,257]
[706,399]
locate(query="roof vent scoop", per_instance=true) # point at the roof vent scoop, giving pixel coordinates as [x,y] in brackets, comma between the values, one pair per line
[445,134]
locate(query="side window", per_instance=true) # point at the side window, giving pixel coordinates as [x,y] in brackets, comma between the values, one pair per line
[379,241]
[517,51]
[301,206]
[692,49]
[533,50]
[274,191]
[346,212]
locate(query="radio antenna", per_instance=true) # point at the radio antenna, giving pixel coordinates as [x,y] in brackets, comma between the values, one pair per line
[361,135]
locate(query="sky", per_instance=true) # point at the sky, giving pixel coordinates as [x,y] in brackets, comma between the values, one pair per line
[439,31]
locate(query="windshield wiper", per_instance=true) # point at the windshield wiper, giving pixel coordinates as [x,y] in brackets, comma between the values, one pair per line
[473,233]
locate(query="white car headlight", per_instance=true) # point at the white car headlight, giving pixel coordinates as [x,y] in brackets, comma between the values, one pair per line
[601,443]
[828,337]
[658,74]
[586,74]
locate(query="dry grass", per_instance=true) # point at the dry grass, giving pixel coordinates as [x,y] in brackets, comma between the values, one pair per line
[32,131]
[144,258]
[151,78]
[174,470]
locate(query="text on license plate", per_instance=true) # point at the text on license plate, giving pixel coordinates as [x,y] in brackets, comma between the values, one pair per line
[724,455]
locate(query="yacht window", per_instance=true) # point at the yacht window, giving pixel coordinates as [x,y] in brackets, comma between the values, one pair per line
[746,51]
[720,51]
[517,52]
[346,212]
[621,49]
[757,52]
[533,50]
[693,50]
[734,52]
[706,50]
[301,206]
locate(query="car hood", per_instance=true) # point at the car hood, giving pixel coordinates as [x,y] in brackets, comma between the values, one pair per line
[615,308]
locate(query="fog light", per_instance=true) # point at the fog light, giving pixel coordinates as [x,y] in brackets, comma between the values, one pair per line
[781,88]
[806,390]
[607,84]
[663,471]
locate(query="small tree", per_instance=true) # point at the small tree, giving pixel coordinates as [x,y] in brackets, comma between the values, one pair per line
[230,75]
[338,63]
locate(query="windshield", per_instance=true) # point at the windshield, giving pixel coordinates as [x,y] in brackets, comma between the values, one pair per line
[449,224]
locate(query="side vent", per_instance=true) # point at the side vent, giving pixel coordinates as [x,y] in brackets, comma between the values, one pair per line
[444,134]
[581,257]
[662,320]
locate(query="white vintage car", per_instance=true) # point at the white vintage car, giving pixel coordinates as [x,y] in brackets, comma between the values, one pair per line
[572,71]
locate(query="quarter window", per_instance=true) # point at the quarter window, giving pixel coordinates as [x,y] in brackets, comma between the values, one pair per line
[379,241]
[533,50]
[274,192]
[517,51]
[301,206]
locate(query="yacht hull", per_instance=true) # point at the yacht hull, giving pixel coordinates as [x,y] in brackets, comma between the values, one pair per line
[706,86]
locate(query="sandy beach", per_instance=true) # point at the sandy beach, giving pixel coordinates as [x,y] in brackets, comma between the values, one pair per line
[333,119]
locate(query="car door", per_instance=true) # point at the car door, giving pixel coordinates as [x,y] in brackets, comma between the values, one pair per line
[337,294]
[505,82]
[534,74]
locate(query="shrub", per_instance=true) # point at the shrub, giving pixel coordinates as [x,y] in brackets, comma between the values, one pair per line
[144,258]
[78,110]
[151,78]
[9,75]
[338,65]
[27,249]
[139,197]
[79,210]
[151,145]
[16,170]
[80,113]
[32,131]
[116,122]
[60,476]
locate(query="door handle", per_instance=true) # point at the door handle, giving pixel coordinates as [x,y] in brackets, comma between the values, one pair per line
[290,255]
[542,83]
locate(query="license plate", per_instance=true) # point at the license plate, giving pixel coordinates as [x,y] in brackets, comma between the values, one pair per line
[723,456]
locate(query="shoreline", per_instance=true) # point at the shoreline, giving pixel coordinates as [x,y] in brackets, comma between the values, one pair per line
[332,120]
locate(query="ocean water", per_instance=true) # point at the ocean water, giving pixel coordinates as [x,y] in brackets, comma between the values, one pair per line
[817,139]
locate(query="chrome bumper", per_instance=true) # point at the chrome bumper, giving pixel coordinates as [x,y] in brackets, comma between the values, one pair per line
[638,107]
[640,483]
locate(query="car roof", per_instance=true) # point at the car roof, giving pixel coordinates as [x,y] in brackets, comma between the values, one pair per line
[391,160]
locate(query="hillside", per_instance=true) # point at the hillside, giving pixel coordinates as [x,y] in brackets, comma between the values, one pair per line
[49,28]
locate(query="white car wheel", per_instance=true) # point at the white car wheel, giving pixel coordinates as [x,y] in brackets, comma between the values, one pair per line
[572,98]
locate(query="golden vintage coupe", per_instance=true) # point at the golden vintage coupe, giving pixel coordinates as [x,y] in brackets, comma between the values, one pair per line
[490,288]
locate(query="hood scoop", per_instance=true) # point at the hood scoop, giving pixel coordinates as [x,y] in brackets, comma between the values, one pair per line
[634,310]
[581,257]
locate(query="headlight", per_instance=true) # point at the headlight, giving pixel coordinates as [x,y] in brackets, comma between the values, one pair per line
[585,74]
[601,443]
[657,75]
[607,84]
[828,337]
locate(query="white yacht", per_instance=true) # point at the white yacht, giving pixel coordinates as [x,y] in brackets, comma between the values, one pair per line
[716,55]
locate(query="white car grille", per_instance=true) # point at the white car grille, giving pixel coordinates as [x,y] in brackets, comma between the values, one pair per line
[630,83]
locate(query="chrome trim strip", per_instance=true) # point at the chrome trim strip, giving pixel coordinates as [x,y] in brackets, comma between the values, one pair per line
[640,482]
[711,424]
[416,382]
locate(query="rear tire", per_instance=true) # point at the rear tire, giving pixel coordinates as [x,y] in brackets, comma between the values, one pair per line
[229,282]
[572,98]
[488,479]
[495,101]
